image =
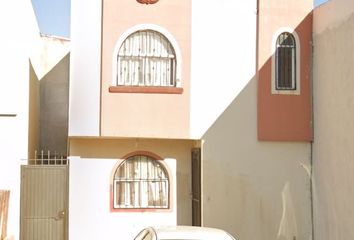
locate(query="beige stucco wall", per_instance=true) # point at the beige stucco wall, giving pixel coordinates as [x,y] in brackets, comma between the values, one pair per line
[333,153]
[54,105]
[118,148]
[255,190]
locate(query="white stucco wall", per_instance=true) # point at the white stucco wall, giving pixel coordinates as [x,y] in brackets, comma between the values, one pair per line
[90,217]
[223,57]
[253,189]
[333,115]
[85,62]
[19,35]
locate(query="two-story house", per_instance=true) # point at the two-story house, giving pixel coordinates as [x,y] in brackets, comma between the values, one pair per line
[190,113]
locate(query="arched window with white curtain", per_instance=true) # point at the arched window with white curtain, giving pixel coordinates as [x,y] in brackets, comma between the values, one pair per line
[141,182]
[146,58]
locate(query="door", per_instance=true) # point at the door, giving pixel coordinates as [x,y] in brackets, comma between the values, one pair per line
[44,202]
[196,187]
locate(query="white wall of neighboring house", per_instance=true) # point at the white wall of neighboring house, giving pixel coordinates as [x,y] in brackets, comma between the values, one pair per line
[19,39]
[223,57]
[333,115]
[89,198]
[85,58]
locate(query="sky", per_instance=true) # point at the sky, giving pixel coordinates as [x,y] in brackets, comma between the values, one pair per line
[53,16]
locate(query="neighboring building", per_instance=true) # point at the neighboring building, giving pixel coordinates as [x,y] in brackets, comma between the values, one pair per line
[18,43]
[171,89]
[333,151]
[29,65]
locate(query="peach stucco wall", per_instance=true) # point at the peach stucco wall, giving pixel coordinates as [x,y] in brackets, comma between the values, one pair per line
[139,114]
[284,117]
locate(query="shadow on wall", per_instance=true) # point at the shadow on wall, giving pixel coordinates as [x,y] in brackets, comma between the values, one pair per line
[262,186]
[257,189]
[49,100]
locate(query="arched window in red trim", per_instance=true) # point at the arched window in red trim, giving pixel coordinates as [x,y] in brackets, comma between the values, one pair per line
[141,182]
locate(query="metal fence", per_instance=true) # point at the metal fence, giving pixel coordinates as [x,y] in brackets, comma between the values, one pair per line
[48,158]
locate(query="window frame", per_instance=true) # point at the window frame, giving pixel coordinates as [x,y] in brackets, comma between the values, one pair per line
[296,61]
[166,181]
[177,89]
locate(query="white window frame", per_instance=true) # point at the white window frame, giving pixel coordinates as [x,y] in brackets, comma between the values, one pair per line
[139,27]
[297,62]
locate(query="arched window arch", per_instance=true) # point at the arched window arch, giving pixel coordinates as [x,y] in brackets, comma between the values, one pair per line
[141,181]
[146,58]
[286,62]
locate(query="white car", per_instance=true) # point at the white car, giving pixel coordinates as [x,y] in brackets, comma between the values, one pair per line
[183,233]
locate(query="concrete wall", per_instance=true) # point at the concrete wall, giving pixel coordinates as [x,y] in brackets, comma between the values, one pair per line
[333,114]
[54,103]
[223,57]
[19,35]
[116,149]
[255,190]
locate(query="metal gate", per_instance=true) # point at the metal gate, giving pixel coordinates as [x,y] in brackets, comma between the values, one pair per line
[44,202]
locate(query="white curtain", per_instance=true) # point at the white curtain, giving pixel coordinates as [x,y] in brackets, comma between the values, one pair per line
[141,182]
[146,58]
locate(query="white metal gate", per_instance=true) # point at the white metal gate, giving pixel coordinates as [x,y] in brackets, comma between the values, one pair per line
[44,202]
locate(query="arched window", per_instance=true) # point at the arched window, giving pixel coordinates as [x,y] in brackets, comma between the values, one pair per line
[285,62]
[141,182]
[146,58]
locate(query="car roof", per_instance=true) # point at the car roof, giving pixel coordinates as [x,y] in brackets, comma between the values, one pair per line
[190,232]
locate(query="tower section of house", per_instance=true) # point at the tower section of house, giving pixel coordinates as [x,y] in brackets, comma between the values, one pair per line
[145,69]
[284,70]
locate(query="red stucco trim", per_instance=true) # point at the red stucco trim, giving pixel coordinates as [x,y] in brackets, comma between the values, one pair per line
[160,90]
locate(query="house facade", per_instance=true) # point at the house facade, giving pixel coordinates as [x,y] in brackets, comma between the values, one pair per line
[174,117]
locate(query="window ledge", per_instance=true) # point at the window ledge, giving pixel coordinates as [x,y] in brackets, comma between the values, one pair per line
[144,89]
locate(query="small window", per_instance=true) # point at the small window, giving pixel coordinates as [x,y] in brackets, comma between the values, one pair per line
[141,182]
[146,58]
[285,62]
